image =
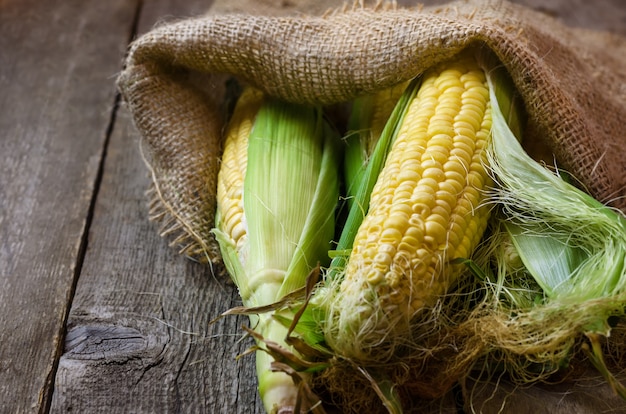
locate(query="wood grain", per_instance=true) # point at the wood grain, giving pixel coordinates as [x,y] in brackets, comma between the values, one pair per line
[139,335]
[57,59]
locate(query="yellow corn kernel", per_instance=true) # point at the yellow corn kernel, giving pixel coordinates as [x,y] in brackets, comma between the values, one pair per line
[434,175]
[233,169]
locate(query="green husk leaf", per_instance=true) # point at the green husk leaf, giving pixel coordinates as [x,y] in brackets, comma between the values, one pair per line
[356,156]
[571,244]
[290,199]
[550,258]
[367,115]
[597,359]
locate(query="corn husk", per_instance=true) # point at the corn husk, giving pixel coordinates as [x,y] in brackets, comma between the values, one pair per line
[290,193]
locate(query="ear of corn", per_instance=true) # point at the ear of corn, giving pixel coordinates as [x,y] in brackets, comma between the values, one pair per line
[425,209]
[572,244]
[277,192]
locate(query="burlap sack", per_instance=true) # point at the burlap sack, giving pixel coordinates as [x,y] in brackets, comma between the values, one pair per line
[573,83]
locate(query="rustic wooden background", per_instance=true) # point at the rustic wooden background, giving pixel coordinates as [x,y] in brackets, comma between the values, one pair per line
[97,313]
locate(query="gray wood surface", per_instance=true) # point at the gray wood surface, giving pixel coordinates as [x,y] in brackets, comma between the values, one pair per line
[98,313]
[138,334]
[57,62]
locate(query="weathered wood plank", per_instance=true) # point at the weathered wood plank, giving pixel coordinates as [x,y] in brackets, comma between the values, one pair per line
[139,338]
[138,333]
[56,63]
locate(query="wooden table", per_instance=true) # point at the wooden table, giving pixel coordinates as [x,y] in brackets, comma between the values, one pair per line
[98,314]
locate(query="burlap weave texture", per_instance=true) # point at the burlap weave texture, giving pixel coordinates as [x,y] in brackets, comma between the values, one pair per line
[573,83]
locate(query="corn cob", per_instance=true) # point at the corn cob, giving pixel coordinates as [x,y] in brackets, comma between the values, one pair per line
[277,192]
[233,169]
[425,209]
